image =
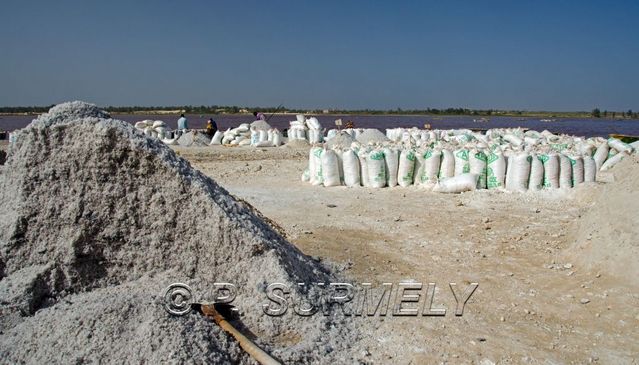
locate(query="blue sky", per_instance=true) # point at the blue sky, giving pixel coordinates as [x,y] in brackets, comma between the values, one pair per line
[534,55]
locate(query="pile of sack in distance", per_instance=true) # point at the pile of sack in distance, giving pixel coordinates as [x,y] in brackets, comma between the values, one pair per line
[260,133]
[308,129]
[452,161]
[257,134]
[153,128]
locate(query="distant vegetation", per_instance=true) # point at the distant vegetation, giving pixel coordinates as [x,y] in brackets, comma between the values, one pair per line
[596,113]
[217,109]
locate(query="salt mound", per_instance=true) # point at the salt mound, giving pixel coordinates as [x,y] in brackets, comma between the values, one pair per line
[194,139]
[261,125]
[186,140]
[297,143]
[96,220]
[606,234]
[340,140]
[371,135]
[68,111]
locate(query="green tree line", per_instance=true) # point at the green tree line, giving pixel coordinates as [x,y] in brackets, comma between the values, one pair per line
[596,113]
[234,109]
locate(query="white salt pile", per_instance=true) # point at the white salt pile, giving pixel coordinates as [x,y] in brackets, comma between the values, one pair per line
[297,143]
[340,140]
[261,125]
[605,235]
[371,135]
[70,111]
[194,139]
[96,220]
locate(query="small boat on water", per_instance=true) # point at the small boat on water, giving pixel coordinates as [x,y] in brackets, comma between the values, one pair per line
[481,120]
[547,120]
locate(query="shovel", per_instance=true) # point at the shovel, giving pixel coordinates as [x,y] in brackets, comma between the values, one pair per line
[219,312]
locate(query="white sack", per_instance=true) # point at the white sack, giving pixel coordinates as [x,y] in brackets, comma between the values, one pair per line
[391,158]
[495,170]
[565,172]
[457,184]
[590,169]
[351,168]
[376,169]
[406,168]
[330,168]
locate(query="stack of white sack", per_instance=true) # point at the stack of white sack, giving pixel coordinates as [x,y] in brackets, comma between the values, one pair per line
[152,128]
[266,138]
[157,129]
[508,159]
[246,135]
[240,136]
[297,128]
[315,131]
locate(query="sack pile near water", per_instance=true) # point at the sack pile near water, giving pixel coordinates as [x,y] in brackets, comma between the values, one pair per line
[153,128]
[309,129]
[462,160]
[258,134]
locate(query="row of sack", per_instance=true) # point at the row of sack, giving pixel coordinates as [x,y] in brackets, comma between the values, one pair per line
[516,136]
[444,169]
[516,139]
[245,135]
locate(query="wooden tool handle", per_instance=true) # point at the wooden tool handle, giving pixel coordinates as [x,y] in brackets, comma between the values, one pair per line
[247,345]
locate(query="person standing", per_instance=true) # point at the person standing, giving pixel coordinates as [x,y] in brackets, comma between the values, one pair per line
[259,116]
[211,127]
[182,124]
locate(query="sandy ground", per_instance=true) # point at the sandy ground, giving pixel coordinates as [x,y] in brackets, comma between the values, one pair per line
[534,303]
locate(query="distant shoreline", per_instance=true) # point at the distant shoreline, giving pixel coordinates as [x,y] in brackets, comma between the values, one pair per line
[528,115]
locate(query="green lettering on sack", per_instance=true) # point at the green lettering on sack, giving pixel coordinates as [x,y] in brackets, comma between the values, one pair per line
[463,154]
[491,158]
[492,182]
[376,156]
[408,177]
[481,156]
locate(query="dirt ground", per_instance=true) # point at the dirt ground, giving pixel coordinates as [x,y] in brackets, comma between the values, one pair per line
[534,304]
